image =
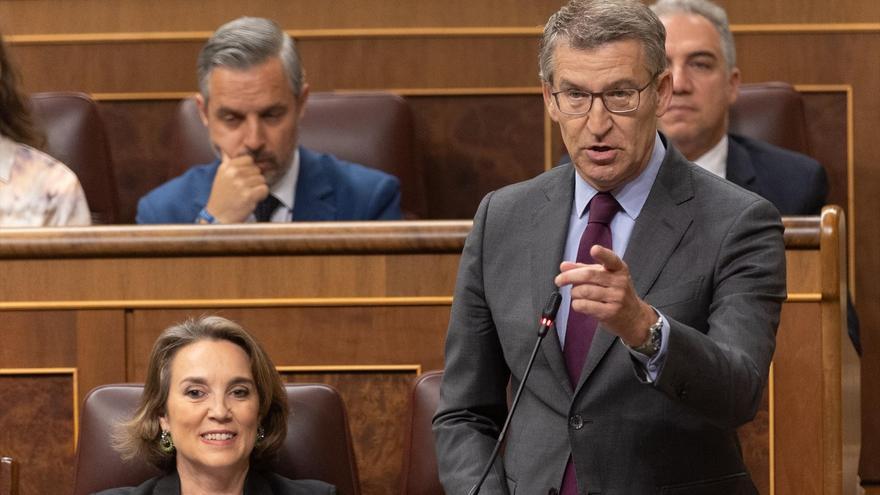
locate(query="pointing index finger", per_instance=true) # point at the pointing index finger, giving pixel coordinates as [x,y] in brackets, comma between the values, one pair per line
[607,258]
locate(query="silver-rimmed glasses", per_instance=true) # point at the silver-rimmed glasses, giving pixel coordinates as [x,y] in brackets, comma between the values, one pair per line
[577,102]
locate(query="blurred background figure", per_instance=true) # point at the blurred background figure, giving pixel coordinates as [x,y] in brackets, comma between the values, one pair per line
[705,82]
[702,58]
[212,415]
[36,190]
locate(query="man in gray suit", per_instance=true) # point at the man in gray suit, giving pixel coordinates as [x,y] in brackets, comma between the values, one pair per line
[667,328]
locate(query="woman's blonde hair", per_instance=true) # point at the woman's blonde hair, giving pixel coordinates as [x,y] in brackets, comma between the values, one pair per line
[139,437]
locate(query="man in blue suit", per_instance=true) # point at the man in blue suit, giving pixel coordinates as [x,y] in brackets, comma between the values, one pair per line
[252,95]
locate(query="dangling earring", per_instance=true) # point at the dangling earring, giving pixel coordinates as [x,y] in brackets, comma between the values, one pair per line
[261,434]
[166,444]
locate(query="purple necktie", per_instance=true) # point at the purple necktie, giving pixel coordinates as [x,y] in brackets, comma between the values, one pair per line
[581,328]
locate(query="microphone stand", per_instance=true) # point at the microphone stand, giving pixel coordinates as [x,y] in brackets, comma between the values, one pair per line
[548,316]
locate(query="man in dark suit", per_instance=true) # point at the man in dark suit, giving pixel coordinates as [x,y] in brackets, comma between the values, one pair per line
[672,282]
[252,95]
[702,58]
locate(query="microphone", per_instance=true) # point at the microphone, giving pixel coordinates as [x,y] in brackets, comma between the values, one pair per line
[548,316]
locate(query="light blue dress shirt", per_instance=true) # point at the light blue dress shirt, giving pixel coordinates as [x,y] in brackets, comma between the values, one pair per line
[631,197]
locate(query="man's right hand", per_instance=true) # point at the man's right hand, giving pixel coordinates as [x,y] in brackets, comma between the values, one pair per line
[238,187]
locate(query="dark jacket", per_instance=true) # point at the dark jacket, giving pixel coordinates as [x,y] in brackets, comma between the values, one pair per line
[257,483]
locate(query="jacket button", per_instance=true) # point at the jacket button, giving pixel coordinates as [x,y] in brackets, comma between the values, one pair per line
[553,491]
[576,422]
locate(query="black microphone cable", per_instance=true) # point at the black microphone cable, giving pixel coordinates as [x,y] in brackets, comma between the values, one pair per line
[548,316]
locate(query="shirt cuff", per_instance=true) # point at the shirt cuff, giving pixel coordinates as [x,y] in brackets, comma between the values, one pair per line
[652,366]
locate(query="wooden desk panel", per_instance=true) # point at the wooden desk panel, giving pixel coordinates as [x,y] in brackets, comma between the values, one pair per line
[365,308]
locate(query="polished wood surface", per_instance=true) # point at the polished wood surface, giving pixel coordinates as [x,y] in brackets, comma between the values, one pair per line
[470,145]
[41,407]
[50,16]
[247,239]
[365,308]
[8,476]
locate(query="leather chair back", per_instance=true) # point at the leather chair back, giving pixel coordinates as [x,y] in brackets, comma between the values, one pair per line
[772,112]
[8,476]
[75,136]
[318,444]
[419,460]
[373,129]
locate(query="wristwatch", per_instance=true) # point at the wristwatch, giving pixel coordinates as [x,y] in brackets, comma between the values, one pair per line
[651,345]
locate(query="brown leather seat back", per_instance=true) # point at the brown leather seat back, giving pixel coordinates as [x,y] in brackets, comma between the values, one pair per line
[8,476]
[419,460]
[75,136]
[98,465]
[772,112]
[318,444]
[373,129]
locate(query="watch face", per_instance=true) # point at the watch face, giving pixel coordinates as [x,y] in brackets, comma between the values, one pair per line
[656,334]
[652,346]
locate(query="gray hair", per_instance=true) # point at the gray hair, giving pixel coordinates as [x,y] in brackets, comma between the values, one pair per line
[709,11]
[244,43]
[588,24]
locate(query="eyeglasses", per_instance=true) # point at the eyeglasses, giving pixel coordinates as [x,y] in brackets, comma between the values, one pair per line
[577,102]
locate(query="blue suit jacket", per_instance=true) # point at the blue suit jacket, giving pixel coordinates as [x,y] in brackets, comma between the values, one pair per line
[795,183]
[327,189]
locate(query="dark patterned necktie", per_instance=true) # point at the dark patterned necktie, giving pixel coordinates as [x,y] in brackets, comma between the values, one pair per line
[581,328]
[266,208]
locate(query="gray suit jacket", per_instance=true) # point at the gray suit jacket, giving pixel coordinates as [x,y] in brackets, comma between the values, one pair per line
[707,254]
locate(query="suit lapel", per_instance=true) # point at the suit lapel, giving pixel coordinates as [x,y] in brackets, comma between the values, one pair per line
[315,195]
[663,221]
[740,169]
[549,228]
[203,190]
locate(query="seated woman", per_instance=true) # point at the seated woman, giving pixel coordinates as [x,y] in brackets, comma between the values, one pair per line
[212,416]
[36,190]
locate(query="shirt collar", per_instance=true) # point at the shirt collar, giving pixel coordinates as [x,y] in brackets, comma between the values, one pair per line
[715,160]
[632,195]
[285,187]
[8,149]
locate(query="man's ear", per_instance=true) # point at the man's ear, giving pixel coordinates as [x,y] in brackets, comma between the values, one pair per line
[203,108]
[664,92]
[549,102]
